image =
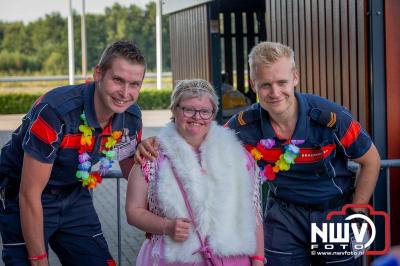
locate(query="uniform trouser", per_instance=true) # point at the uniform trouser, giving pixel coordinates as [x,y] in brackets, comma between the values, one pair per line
[71,227]
[287,231]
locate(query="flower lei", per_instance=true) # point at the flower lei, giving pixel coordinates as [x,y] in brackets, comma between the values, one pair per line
[291,152]
[89,178]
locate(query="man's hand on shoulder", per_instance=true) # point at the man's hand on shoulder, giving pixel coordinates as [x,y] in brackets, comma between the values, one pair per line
[147,149]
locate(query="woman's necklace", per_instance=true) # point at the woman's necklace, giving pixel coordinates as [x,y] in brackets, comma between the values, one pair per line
[89,178]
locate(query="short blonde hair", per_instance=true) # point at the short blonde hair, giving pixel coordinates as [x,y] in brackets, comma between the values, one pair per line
[193,88]
[267,53]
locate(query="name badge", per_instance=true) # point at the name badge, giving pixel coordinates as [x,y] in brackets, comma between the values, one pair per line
[125,149]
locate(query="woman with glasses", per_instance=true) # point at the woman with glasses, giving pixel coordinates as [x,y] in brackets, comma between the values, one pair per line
[198,200]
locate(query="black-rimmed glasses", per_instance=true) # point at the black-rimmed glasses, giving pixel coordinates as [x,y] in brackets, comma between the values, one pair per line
[189,112]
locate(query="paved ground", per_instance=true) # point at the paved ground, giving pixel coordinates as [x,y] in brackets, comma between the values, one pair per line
[105,196]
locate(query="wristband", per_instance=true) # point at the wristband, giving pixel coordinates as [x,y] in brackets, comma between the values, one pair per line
[260,258]
[39,257]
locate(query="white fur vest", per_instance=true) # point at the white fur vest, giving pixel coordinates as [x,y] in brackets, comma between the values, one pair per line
[221,197]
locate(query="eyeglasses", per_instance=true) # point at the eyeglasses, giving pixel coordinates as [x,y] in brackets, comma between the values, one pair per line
[189,112]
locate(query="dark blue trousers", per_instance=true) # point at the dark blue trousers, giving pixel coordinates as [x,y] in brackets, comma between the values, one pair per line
[71,227]
[287,241]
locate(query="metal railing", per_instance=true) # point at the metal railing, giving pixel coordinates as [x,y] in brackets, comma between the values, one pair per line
[384,164]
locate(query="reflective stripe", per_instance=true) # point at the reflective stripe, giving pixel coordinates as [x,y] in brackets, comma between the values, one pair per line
[71,141]
[332,121]
[14,244]
[279,252]
[351,134]
[42,130]
[307,155]
[96,235]
[240,119]
[339,261]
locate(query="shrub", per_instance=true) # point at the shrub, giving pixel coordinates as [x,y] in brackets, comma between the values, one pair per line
[19,103]
[152,99]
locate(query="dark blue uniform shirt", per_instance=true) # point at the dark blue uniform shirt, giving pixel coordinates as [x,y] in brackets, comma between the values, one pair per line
[50,133]
[331,137]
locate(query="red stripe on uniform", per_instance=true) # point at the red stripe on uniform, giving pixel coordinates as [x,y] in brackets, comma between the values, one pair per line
[312,155]
[307,155]
[139,136]
[269,155]
[73,141]
[38,100]
[351,135]
[43,131]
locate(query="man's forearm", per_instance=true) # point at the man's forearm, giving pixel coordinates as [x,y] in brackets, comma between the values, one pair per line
[32,224]
[364,189]
[365,185]
[367,176]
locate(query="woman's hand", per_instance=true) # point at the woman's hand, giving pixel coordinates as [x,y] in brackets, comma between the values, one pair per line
[178,229]
[147,148]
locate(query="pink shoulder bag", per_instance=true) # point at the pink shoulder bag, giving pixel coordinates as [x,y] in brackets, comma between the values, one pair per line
[204,248]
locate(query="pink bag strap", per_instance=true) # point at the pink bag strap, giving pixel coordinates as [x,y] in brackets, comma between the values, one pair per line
[204,248]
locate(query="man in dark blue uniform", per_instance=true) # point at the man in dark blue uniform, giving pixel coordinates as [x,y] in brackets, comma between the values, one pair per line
[46,168]
[302,143]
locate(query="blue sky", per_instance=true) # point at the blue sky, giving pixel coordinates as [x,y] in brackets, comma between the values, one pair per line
[28,10]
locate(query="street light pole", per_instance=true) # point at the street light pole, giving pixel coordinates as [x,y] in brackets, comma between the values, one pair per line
[83,40]
[158,43]
[71,61]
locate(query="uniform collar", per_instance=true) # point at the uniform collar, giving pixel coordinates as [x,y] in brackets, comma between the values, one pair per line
[90,112]
[118,121]
[266,127]
[300,132]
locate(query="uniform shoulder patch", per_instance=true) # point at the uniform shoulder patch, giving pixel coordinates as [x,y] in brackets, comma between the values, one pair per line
[247,116]
[325,118]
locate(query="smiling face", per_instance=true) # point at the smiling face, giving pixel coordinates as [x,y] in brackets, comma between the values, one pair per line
[193,129]
[117,88]
[274,86]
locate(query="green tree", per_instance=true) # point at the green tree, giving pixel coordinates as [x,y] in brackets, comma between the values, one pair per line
[16,38]
[55,62]
[96,38]
[47,39]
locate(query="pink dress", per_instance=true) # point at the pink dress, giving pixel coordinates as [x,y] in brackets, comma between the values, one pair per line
[152,250]
[148,257]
